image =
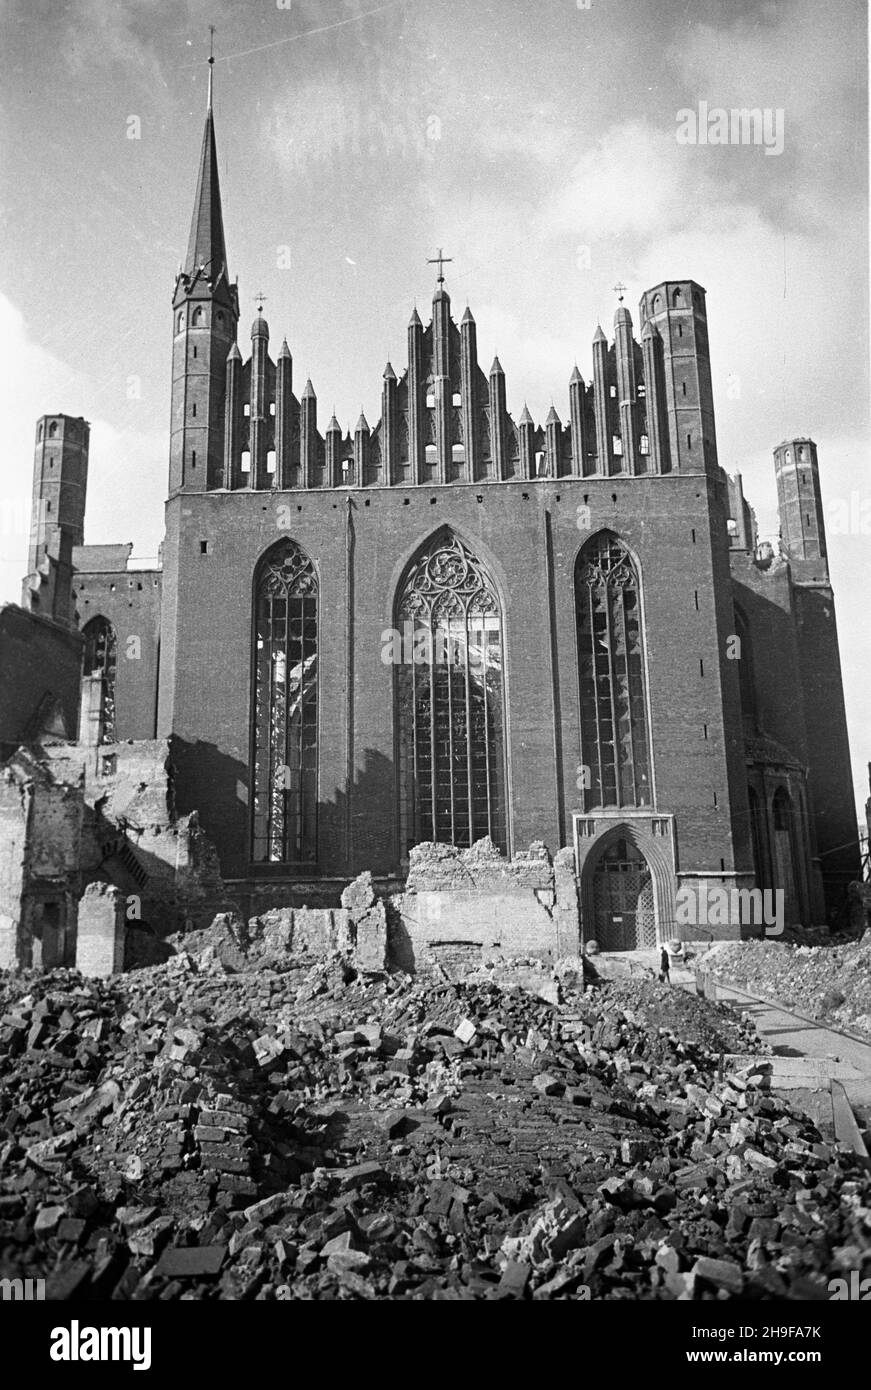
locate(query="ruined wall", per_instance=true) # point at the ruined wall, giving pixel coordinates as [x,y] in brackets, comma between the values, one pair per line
[459,908]
[101,930]
[41,821]
[130,600]
[463,905]
[40,668]
[134,838]
[15,804]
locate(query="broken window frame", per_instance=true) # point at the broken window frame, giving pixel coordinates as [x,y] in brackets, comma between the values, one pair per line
[285,709]
[453,787]
[100,658]
[612,677]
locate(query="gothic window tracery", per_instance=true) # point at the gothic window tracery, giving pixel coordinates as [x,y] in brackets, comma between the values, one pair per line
[611,671]
[450,700]
[285,709]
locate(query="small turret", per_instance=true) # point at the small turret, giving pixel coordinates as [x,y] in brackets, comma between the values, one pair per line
[308,434]
[654,399]
[526,428]
[576,418]
[469,392]
[361,449]
[553,432]
[498,419]
[627,402]
[258,422]
[284,412]
[601,401]
[233,419]
[389,426]
[332,450]
[416,408]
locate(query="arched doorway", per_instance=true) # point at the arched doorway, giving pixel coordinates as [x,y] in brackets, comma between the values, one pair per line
[624,914]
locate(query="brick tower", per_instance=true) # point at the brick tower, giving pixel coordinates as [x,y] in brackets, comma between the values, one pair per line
[205,310]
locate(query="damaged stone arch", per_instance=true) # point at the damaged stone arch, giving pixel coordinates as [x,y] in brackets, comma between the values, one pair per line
[450,696]
[627,842]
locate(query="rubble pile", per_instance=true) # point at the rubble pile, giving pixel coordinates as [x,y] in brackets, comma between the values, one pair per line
[831,983]
[312,1132]
[715,1026]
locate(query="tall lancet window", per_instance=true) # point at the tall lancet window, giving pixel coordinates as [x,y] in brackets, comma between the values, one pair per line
[614,738]
[100,659]
[451,700]
[284,781]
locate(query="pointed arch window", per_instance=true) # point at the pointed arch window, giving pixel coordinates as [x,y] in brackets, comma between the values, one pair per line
[100,659]
[284,773]
[615,746]
[450,700]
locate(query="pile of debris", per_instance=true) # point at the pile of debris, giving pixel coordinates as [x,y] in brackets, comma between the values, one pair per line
[315,1132]
[831,983]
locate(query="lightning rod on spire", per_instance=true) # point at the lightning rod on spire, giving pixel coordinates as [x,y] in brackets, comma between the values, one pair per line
[211,61]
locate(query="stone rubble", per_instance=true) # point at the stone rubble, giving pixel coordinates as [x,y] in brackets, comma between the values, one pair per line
[830,982]
[315,1131]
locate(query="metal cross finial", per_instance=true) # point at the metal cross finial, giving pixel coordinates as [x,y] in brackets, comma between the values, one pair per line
[259,300]
[440,260]
[620,290]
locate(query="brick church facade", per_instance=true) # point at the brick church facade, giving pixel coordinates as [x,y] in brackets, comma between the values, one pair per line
[452,625]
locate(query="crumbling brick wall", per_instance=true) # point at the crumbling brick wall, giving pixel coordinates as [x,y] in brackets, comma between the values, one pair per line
[40,847]
[101,934]
[463,904]
[134,836]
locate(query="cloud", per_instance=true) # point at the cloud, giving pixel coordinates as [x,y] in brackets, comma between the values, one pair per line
[97,34]
[637,182]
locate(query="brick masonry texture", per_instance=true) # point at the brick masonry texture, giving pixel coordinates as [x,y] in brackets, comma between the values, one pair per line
[206,706]
[637,460]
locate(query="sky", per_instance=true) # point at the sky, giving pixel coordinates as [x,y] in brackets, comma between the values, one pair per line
[534,140]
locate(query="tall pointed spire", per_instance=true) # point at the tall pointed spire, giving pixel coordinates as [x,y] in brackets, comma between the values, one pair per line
[206,243]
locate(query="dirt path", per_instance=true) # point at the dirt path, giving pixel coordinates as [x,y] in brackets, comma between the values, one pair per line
[789,1033]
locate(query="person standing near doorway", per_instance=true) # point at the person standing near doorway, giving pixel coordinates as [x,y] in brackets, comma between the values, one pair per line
[664,966]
